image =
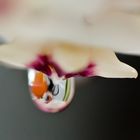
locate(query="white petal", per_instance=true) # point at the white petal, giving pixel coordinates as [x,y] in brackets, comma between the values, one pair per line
[18,54]
[71,58]
[116,30]
[108,65]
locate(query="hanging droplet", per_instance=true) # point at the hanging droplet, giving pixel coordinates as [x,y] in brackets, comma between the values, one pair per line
[50,93]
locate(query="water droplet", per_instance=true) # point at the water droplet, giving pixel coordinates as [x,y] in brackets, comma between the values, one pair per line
[50,94]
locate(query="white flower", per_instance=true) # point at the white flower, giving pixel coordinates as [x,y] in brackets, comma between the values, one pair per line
[71,38]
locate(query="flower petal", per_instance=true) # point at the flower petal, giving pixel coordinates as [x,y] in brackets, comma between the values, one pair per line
[66,59]
[108,65]
[88,61]
[119,31]
[18,54]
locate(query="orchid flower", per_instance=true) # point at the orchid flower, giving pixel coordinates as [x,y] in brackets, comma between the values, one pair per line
[62,39]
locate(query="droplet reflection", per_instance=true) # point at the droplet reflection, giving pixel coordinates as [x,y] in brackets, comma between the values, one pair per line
[50,94]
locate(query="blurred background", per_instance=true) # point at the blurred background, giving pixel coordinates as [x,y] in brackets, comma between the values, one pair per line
[102,109]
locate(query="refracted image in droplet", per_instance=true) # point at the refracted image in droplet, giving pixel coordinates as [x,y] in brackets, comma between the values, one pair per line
[50,93]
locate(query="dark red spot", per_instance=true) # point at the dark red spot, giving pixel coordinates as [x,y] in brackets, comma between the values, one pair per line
[45,64]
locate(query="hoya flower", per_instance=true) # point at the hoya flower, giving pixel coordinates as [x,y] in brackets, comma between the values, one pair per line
[46,36]
[66,60]
[64,39]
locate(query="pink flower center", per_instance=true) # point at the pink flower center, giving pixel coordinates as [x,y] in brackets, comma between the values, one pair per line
[46,65]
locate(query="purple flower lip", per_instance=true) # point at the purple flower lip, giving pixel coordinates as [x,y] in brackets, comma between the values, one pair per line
[46,65]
